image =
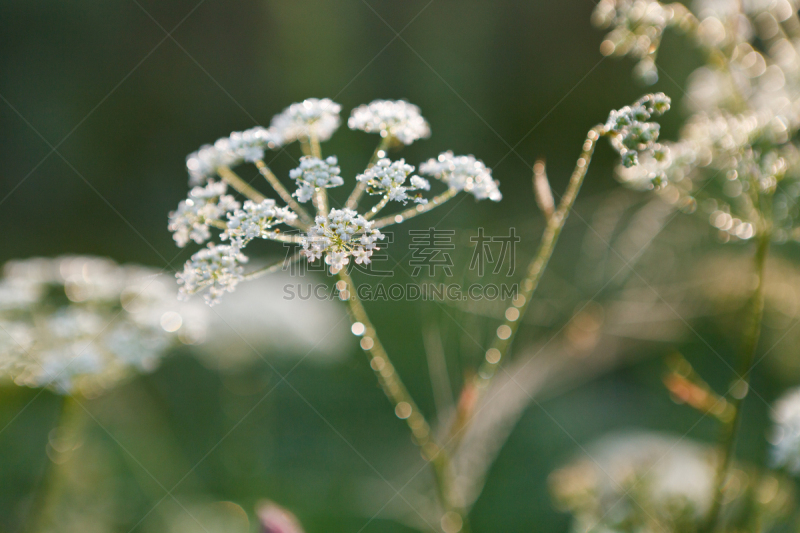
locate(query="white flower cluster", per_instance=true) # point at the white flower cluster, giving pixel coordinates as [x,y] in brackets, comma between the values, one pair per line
[391,118]
[632,133]
[785,437]
[746,105]
[80,324]
[340,235]
[218,268]
[311,118]
[254,221]
[230,151]
[205,204]
[389,179]
[313,173]
[337,236]
[463,173]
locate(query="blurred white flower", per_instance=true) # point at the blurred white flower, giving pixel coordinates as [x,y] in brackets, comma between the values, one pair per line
[638,481]
[242,146]
[310,118]
[217,268]
[785,437]
[397,119]
[80,324]
[463,173]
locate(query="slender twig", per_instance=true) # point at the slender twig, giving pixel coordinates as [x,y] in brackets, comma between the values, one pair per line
[416,210]
[380,151]
[233,179]
[505,333]
[752,332]
[404,405]
[282,237]
[380,205]
[282,192]
[273,267]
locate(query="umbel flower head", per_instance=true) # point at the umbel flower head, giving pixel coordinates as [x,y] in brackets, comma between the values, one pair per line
[389,178]
[314,173]
[392,119]
[81,324]
[338,236]
[205,205]
[307,119]
[463,173]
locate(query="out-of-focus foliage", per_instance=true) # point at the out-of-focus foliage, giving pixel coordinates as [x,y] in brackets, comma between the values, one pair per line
[253,419]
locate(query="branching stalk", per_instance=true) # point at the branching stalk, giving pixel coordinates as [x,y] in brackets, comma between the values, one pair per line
[505,333]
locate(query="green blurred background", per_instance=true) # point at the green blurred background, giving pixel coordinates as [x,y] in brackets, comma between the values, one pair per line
[99,108]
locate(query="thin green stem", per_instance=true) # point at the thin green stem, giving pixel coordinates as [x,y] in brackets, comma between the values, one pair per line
[741,387]
[273,267]
[71,422]
[233,179]
[321,201]
[404,405]
[505,333]
[375,210]
[380,151]
[416,210]
[282,192]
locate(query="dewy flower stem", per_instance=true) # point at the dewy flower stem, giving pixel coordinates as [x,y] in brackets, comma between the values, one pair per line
[752,333]
[416,210]
[404,406]
[233,179]
[505,333]
[380,151]
[375,210]
[282,192]
[273,267]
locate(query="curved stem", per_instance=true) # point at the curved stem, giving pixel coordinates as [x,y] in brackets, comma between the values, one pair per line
[282,192]
[404,406]
[416,210]
[233,179]
[280,237]
[273,267]
[505,333]
[752,332]
[380,151]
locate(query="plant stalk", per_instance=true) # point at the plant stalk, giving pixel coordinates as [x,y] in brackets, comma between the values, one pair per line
[749,346]
[404,406]
[506,332]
